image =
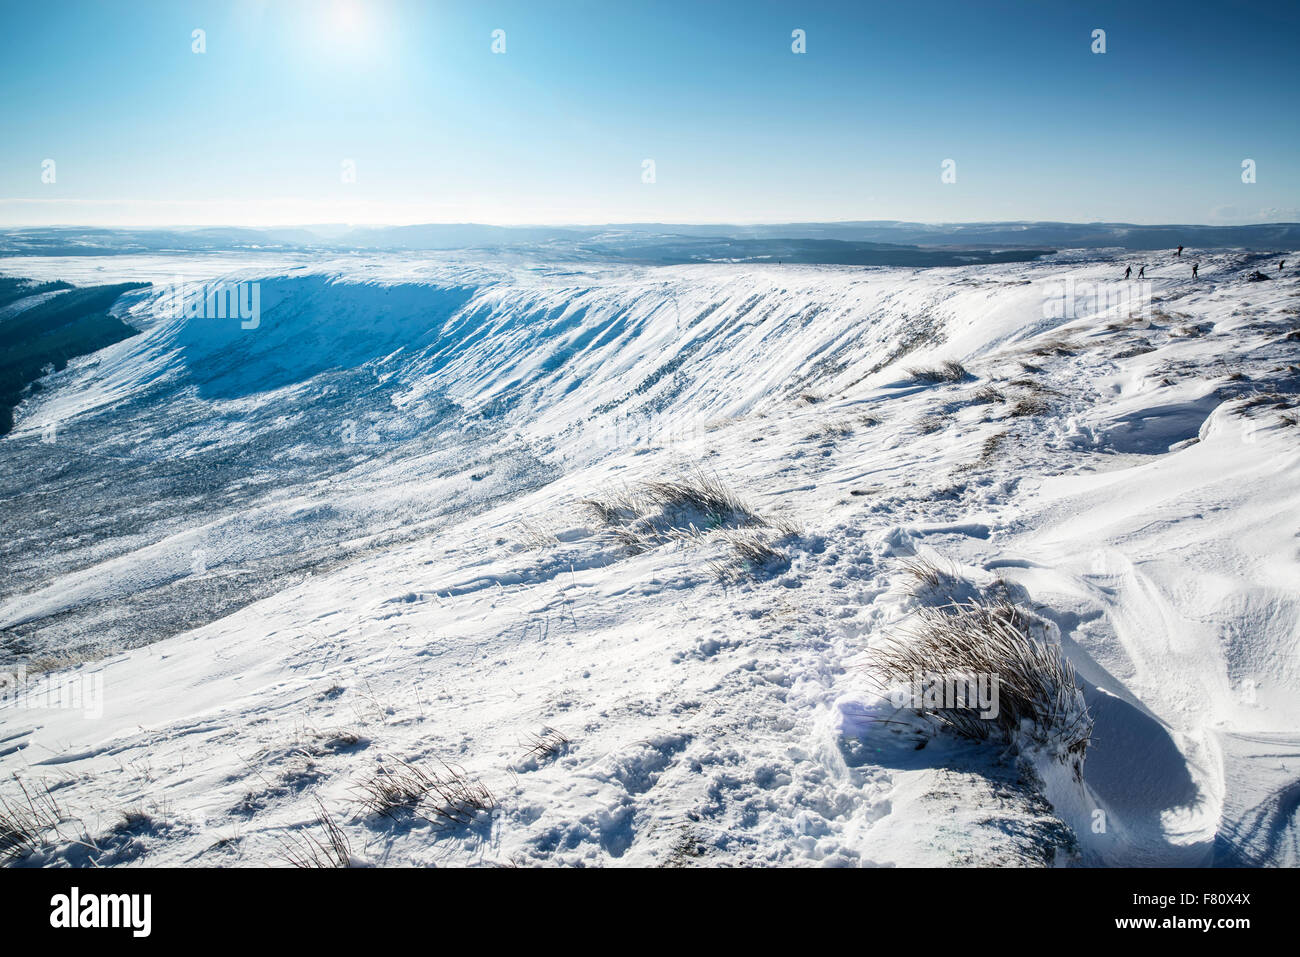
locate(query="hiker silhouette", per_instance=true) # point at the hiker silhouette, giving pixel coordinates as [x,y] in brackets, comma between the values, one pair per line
[1195,266]
[1128,272]
[1142,273]
[1180,251]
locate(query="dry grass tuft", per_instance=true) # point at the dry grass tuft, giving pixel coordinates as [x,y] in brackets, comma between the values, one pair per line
[331,849]
[928,575]
[546,744]
[755,549]
[1141,349]
[1053,347]
[1278,400]
[1040,704]
[991,446]
[987,394]
[693,510]
[752,552]
[27,820]
[949,371]
[932,422]
[446,798]
[649,514]
[1029,405]
[830,430]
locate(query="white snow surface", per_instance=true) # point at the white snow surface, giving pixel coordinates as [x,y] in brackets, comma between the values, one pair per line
[1147,511]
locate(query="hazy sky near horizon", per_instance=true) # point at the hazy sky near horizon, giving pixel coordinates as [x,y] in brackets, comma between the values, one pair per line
[259,128]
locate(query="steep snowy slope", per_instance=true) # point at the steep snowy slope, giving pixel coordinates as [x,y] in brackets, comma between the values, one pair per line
[383,483]
[373,399]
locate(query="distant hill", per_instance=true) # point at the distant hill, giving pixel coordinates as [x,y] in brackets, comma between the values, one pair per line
[792,242]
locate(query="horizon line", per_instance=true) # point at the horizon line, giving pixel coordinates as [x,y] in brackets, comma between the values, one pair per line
[627,223]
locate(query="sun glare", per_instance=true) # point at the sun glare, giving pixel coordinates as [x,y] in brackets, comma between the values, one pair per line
[347,24]
[347,14]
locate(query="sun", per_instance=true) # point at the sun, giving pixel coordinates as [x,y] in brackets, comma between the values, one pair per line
[347,15]
[348,22]
[348,28]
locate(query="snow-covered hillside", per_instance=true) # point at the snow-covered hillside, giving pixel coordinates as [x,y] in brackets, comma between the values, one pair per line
[351,541]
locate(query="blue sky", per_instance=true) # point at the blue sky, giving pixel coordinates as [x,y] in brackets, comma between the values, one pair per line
[255,131]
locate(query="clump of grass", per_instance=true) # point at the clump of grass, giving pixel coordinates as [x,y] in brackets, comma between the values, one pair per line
[928,576]
[653,513]
[29,821]
[753,551]
[933,422]
[546,744]
[987,394]
[1029,405]
[701,492]
[331,849]
[830,430]
[1053,347]
[342,739]
[1276,400]
[948,371]
[1033,385]
[1040,704]
[756,552]
[693,510]
[1140,349]
[991,446]
[445,798]
[135,818]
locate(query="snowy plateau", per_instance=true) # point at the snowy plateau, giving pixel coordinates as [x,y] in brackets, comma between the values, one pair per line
[393,576]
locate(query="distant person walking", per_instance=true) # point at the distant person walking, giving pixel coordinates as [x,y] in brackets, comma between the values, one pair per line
[1180,251]
[1142,272]
[1195,266]
[1280,265]
[1128,272]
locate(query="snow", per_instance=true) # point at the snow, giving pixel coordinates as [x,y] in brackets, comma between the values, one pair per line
[396,567]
